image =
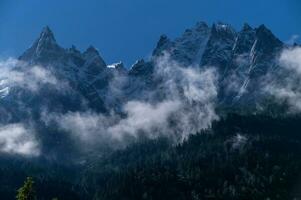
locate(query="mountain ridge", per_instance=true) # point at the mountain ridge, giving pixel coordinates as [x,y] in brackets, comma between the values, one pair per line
[207,68]
[248,54]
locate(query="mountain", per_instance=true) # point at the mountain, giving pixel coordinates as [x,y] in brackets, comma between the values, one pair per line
[73,81]
[192,119]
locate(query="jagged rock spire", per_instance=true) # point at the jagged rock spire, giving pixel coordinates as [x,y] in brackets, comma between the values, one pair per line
[93,61]
[91,50]
[218,50]
[47,35]
[266,40]
[163,44]
[44,48]
[92,54]
[245,40]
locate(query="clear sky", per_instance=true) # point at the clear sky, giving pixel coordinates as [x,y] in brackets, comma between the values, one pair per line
[125,30]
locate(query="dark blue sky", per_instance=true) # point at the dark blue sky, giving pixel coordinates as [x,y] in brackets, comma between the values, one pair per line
[125,30]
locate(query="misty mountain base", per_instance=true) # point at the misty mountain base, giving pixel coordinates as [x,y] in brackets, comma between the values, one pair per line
[213,114]
[240,157]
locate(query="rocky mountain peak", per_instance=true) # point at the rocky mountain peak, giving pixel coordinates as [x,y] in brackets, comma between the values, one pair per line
[188,48]
[91,50]
[218,50]
[46,41]
[245,40]
[263,33]
[267,42]
[93,54]
[93,61]
[163,44]
[44,49]
[47,35]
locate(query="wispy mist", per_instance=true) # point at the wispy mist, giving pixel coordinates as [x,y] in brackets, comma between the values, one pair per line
[18,139]
[182,103]
[287,90]
[15,73]
[187,106]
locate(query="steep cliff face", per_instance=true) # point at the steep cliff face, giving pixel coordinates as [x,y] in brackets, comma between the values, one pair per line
[242,58]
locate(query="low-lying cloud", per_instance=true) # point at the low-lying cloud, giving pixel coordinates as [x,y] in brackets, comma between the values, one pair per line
[287,88]
[144,117]
[182,103]
[15,73]
[17,131]
[140,117]
[18,139]
[291,59]
[187,106]
[195,88]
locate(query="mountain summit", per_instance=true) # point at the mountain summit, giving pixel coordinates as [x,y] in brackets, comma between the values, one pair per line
[44,49]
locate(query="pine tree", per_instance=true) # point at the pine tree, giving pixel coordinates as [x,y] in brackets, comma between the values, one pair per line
[26,192]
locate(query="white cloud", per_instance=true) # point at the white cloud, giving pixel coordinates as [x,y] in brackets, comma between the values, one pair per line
[287,88]
[144,117]
[17,73]
[291,59]
[88,126]
[140,116]
[197,91]
[187,107]
[17,139]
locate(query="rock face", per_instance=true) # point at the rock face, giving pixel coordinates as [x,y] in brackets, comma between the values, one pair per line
[44,49]
[187,49]
[242,58]
[218,50]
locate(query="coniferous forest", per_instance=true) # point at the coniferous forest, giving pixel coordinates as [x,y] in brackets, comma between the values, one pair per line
[239,157]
